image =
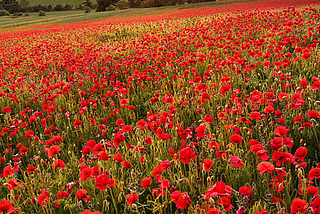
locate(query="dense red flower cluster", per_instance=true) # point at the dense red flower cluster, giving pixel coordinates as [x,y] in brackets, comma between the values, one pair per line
[217,113]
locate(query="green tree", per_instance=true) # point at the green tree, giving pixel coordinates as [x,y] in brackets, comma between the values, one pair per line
[135,3]
[88,3]
[67,7]
[10,5]
[24,4]
[103,4]
[50,8]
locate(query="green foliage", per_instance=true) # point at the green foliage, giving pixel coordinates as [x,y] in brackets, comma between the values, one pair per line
[122,5]
[87,3]
[87,9]
[4,13]
[111,8]
[103,4]
[68,7]
[146,4]
[42,13]
[58,7]
[24,4]
[134,3]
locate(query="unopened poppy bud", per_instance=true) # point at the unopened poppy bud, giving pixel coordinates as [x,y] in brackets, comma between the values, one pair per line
[211,200]
[134,206]
[300,174]
[208,179]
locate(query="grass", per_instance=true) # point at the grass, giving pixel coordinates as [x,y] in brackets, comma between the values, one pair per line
[75,16]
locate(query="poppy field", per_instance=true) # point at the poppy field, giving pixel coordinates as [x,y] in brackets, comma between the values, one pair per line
[214,113]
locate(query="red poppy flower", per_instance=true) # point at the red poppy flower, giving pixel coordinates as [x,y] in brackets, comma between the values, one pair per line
[126,164]
[265,167]
[85,173]
[313,114]
[281,130]
[298,119]
[245,190]
[7,171]
[12,183]
[103,156]
[263,211]
[312,190]
[156,171]
[146,182]
[225,201]
[301,153]
[214,145]
[29,134]
[208,119]
[252,142]
[120,122]
[97,149]
[207,164]
[219,189]
[256,147]
[255,116]
[235,139]
[118,138]
[282,157]
[77,123]
[182,200]
[81,193]
[62,194]
[315,205]
[102,182]
[269,109]
[213,211]
[141,124]
[89,212]
[132,198]
[298,206]
[86,150]
[303,83]
[118,157]
[91,143]
[58,163]
[5,206]
[200,131]
[127,128]
[53,150]
[262,154]
[43,198]
[221,154]
[6,109]
[314,173]
[31,169]
[186,154]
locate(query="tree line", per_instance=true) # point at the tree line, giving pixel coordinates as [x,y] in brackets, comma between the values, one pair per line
[14,6]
